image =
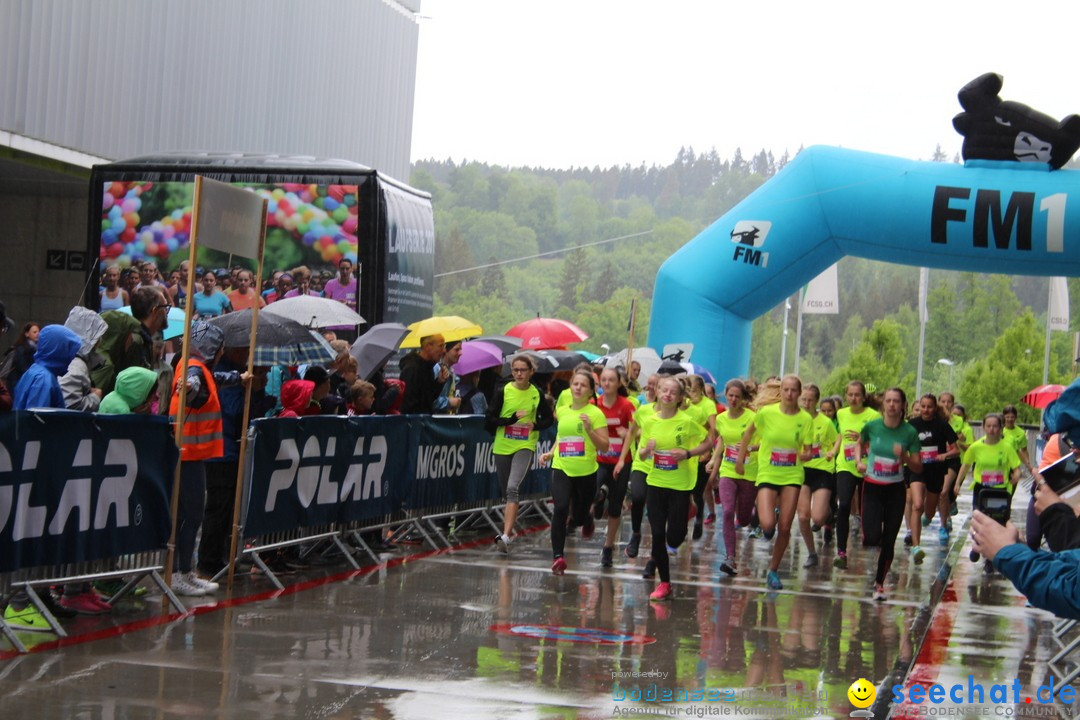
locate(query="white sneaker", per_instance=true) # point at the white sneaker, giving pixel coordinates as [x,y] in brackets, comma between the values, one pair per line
[503,541]
[207,585]
[182,585]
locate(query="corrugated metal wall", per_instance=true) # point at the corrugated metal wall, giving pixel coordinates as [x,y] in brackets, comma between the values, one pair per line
[121,78]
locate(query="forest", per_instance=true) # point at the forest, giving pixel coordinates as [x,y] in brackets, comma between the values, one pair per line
[582,243]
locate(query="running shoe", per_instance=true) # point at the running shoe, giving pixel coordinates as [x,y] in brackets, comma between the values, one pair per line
[840,561]
[599,501]
[879,593]
[662,592]
[26,619]
[109,588]
[208,585]
[907,540]
[650,570]
[756,533]
[943,536]
[856,523]
[588,529]
[917,555]
[948,524]
[182,586]
[811,560]
[558,567]
[988,566]
[827,535]
[605,557]
[953,509]
[86,603]
[925,521]
[729,567]
[633,545]
[503,542]
[773,581]
[814,527]
[53,605]
[699,530]
[973,556]
[710,519]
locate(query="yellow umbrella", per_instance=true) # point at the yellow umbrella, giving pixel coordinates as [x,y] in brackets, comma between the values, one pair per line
[451,327]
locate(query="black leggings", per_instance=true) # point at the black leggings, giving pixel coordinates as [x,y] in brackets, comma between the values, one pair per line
[637,500]
[883,514]
[616,486]
[667,518]
[846,486]
[699,493]
[569,493]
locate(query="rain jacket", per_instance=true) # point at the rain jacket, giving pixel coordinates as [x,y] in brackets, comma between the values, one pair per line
[1063,415]
[422,385]
[76,384]
[39,387]
[126,343]
[295,397]
[1050,581]
[132,388]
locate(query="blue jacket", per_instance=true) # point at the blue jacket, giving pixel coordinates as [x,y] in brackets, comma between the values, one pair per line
[1050,581]
[39,386]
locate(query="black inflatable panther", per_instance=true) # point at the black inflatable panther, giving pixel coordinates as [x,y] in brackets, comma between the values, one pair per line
[996,129]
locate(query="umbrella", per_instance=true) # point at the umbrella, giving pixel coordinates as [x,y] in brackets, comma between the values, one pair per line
[590,356]
[314,312]
[549,361]
[507,343]
[670,367]
[540,333]
[451,327]
[477,355]
[376,346]
[175,328]
[1043,395]
[649,359]
[272,330]
[313,351]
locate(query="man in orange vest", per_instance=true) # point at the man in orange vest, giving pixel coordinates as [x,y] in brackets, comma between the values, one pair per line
[202,440]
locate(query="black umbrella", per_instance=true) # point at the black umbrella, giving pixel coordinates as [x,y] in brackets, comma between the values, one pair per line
[507,343]
[549,361]
[670,367]
[278,340]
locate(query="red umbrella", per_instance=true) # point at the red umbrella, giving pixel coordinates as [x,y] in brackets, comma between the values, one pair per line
[1043,395]
[547,333]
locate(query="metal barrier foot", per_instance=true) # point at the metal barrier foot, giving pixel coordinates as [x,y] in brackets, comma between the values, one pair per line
[167,592]
[35,599]
[11,636]
[267,571]
[346,552]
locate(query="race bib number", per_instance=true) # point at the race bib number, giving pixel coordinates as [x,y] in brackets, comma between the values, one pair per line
[993,478]
[928,454]
[849,453]
[665,460]
[815,451]
[783,457]
[731,453]
[614,448]
[571,447]
[517,432]
[884,467]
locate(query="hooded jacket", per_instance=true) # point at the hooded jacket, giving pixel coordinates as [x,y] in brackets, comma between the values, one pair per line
[295,396]
[39,387]
[132,388]
[77,385]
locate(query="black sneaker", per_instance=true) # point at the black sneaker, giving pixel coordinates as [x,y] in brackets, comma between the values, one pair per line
[650,570]
[729,567]
[605,557]
[827,536]
[58,611]
[633,545]
[599,502]
[907,540]
[973,556]
[699,530]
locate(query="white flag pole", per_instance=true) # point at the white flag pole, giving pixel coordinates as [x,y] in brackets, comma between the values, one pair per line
[798,331]
[924,282]
[1049,316]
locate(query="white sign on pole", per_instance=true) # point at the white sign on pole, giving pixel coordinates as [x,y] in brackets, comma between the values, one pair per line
[821,296]
[1059,304]
[230,219]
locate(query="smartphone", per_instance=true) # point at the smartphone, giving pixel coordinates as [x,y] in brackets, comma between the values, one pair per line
[995,503]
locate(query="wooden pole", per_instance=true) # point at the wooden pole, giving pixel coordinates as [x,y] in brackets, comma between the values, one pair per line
[630,333]
[181,377]
[238,495]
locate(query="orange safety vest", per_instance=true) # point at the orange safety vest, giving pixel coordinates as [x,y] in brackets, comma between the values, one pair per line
[203,437]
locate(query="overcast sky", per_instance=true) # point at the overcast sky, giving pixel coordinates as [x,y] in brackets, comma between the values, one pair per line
[557,83]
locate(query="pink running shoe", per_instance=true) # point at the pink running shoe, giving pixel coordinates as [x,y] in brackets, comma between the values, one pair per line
[559,566]
[662,592]
[87,603]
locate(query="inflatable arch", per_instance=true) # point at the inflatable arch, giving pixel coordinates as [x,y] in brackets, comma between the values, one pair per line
[991,216]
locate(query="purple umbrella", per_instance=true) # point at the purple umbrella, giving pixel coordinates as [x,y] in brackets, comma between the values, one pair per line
[477,355]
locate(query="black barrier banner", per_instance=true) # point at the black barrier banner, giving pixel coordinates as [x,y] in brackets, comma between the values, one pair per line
[454,464]
[319,470]
[76,487]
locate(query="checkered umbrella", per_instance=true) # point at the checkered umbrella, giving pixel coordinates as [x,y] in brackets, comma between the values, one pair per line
[278,340]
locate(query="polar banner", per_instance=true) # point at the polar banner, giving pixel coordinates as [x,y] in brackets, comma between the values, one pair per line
[312,471]
[76,487]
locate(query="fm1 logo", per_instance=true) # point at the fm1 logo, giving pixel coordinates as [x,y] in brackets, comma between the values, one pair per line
[749,235]
[952,204]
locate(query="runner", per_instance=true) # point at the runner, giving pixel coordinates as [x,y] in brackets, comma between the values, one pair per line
[996,466]
[785,436]
[737,490]
[639,470]
[702,409]
[611,485]
[671,438]
[815,497]
[948,402]
[851,420]
[937,442]
[582,432]
[517,412]
[1017,436]
[892,442]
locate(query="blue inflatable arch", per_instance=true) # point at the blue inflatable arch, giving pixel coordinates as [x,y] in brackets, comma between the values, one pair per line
[990,216]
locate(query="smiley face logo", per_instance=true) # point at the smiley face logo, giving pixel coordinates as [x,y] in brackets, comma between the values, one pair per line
[862,693]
